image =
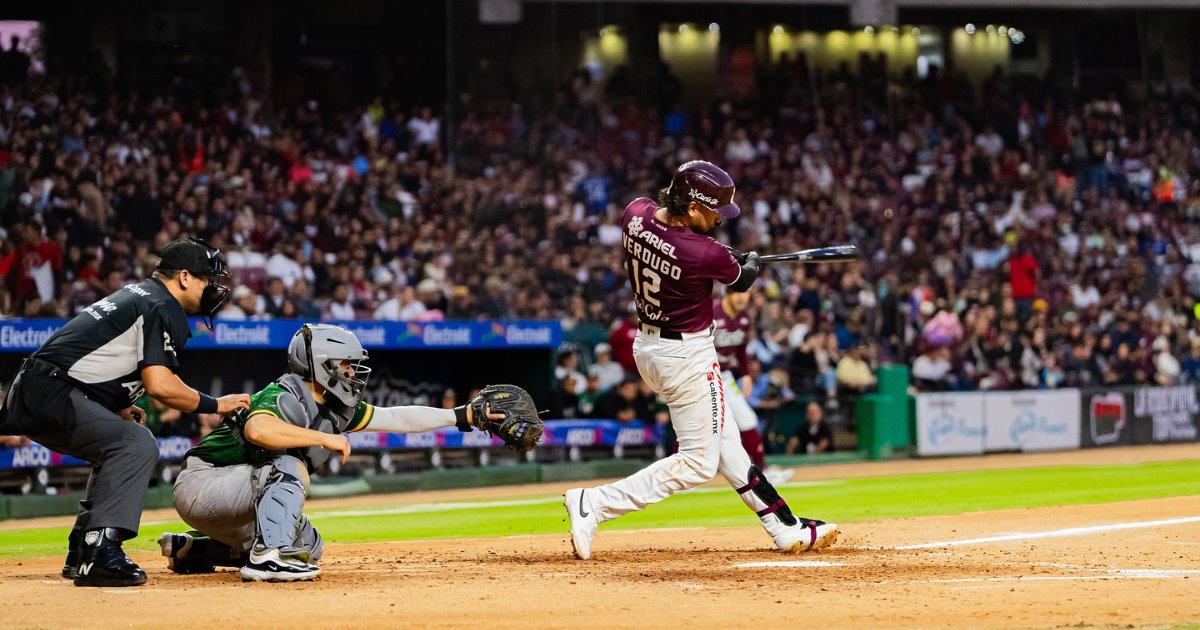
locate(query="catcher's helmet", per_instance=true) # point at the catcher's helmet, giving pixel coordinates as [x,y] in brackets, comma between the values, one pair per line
[706,184]
[316,353]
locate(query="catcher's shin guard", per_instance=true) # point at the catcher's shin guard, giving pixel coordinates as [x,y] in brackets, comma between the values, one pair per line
[277,512]
[764,499]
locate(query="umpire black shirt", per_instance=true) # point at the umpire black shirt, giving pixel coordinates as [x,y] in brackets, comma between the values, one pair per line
[107,344]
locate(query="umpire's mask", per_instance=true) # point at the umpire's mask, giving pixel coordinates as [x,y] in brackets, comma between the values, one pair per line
[200,259]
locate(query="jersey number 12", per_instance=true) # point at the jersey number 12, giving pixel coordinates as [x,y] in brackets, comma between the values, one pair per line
[648,287]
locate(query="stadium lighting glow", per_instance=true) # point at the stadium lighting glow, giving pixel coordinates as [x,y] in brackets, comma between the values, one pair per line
[970,29]
[714,27]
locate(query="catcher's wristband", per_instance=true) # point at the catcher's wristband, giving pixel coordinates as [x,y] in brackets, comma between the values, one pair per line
[460,419]
[207,404]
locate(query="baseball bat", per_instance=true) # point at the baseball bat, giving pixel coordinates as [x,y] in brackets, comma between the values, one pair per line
[834,254]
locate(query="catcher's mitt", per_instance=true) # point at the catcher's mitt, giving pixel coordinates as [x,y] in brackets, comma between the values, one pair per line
[521,428]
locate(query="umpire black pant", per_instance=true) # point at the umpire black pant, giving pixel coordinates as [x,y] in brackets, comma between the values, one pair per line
[43,405]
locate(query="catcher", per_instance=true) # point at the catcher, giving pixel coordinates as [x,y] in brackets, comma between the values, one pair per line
[243,486]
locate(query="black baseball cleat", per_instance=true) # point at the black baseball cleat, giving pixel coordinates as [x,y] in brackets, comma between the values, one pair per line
[71,566]
[184,552]
[102,562]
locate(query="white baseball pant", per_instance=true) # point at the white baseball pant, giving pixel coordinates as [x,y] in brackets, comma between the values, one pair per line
[743,414]
[685,373]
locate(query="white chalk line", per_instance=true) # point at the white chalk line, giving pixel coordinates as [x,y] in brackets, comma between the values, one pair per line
[1055,533]
[789,564]
[427,508]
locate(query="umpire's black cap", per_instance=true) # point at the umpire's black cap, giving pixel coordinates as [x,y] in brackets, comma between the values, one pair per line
[194,256]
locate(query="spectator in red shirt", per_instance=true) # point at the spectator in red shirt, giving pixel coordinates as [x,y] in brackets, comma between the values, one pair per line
[38,264]
[621,341]
[1023,275]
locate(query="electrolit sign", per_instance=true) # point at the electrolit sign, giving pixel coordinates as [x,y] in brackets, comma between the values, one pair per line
[26,335]
[950,424]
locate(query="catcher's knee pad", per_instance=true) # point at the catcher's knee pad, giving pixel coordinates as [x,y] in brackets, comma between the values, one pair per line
[279,505]
[767,493]
[310,539]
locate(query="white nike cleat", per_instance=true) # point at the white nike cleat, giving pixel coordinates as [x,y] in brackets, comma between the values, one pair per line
[271,565]
[583,521]
[806,535]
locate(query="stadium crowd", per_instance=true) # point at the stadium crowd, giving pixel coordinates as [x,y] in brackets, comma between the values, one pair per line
[1014,237]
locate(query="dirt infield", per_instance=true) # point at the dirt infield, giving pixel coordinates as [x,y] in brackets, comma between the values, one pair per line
[1110,565]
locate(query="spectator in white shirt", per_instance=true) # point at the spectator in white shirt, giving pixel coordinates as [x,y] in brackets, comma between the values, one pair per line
[989,142]
[424,128]
[609,371]
[244,305]
[282,264]
[1084,294]
[341,307]
[403,306]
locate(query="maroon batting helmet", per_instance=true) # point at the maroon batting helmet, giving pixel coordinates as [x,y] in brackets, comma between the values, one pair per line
[706,184]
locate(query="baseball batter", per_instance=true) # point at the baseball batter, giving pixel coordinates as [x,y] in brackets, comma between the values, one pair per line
[671,264]
[731,334]
[243,486]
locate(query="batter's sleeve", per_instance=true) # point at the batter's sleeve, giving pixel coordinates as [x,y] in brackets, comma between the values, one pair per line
[720,265]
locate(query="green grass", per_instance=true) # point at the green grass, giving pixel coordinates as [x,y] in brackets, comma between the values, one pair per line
[840,500]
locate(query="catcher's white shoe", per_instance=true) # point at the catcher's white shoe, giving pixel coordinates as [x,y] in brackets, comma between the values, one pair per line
[583,521]
[276,565]
[806,535]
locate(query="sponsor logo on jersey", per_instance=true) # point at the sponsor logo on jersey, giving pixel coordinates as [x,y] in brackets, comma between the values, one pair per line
[100,309]
[635,226]
[713,397]
[136,290]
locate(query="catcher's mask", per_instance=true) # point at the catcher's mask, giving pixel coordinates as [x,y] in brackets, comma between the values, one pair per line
[199,258]
[316,354]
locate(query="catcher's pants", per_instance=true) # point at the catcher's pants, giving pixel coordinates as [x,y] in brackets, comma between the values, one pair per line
[685,373]
[220,502]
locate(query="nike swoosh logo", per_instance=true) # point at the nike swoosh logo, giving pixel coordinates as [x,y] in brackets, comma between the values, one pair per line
[581,510]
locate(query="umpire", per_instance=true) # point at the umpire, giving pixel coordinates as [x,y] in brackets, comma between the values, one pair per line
[75,396]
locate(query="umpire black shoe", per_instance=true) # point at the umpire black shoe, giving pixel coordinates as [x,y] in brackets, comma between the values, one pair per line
[71,566]
[102,562]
